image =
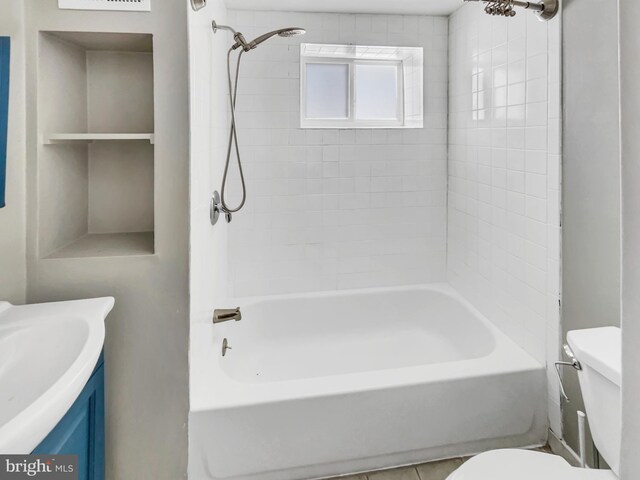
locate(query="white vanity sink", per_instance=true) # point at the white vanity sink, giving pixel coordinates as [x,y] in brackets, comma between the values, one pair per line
[47,354]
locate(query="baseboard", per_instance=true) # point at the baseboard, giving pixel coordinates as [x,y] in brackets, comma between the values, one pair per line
[560,447]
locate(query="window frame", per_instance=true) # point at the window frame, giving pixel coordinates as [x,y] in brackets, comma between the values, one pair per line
[351,122]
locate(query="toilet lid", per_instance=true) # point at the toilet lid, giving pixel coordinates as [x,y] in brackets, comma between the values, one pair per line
[524,465]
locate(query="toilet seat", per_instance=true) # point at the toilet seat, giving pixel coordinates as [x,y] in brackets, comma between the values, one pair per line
[524,465]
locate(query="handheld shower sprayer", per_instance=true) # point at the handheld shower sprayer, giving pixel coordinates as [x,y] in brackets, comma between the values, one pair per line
[246,46]
[218,201]
[284,32]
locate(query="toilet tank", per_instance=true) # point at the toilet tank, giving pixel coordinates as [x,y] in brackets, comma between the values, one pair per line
[599,352]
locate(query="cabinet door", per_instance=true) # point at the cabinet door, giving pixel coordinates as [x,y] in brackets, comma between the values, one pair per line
[81,430]
[5,56]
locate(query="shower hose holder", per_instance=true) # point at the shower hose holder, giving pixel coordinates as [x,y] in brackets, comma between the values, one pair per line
[216,208]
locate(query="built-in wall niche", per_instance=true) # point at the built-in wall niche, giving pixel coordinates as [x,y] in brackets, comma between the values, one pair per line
[96,152]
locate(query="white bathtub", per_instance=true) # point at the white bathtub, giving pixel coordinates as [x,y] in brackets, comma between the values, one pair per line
[334,383]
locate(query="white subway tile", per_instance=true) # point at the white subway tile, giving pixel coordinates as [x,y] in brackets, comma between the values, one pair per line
[316,196]
[504,238]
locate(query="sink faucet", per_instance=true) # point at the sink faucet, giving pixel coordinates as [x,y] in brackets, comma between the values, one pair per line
[226,314]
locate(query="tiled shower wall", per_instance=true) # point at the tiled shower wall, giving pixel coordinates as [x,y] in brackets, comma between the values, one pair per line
[504,176]
[209,130]
[336,209]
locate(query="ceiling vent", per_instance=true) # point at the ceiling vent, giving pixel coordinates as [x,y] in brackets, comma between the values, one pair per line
[120,5]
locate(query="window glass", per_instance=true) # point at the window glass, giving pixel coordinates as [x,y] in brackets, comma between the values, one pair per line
[327,90]
[376,92]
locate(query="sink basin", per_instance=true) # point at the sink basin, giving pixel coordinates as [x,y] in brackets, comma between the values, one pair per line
[47,354]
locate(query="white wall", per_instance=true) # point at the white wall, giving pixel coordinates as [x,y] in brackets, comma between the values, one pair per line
[590,180]
[504,176]
[336,209]
[630,105]
[13,269]
[146,346]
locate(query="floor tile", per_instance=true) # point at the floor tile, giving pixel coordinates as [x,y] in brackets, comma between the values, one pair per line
[438,470]
[408,473]
[426,471]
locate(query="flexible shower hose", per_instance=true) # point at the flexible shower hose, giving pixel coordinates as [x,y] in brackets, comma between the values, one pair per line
[233,138]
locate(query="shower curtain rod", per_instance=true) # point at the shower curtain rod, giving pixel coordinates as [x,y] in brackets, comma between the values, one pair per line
[545,10]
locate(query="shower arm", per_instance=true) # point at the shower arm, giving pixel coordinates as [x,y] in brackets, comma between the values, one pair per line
[237,36]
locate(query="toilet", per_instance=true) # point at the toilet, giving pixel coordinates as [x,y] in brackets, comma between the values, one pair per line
[599,352]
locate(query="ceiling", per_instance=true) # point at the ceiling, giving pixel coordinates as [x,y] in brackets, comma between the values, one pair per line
[405,7]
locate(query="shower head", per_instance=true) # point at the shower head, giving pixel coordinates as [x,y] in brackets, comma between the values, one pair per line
[283,32]
[291,32]
[246,46]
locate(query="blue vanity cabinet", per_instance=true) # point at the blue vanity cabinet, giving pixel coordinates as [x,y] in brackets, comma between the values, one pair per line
[5,57]
[81,430]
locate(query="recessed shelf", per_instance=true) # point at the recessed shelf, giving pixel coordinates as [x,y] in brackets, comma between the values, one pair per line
[56,138]
[96,131]
[108,245]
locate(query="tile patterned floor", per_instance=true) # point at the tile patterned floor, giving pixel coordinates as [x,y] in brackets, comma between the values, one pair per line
[428,471]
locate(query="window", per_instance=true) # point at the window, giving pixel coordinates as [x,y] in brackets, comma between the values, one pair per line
[361,87]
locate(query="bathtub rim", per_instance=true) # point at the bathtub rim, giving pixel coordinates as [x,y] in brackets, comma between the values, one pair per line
[212,389]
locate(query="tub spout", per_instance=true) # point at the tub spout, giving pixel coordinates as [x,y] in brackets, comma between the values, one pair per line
[226,314]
